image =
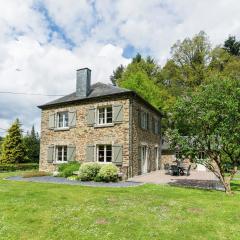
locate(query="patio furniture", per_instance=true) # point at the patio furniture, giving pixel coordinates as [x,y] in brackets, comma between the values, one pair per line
[174,170]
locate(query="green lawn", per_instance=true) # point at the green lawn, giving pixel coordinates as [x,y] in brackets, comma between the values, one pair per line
[50,211]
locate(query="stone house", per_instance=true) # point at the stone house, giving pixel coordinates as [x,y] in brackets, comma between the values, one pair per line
[101,123]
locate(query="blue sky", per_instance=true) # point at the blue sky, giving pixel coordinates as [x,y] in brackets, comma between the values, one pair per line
[42,43]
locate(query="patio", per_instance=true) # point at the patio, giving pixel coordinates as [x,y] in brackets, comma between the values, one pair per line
[197,179]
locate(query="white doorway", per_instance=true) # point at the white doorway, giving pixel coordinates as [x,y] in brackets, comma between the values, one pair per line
[156,154]
[144,159]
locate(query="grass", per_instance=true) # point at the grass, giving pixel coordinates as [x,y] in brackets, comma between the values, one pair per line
[51,211]
[34,174]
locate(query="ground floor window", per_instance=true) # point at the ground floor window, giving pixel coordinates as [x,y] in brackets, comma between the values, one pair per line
[61,154]
[104,153]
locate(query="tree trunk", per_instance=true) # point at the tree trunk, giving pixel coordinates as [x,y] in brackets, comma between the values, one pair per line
[227,184]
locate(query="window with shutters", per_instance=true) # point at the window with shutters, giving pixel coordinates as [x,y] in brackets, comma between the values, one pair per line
[104,153]
[105,115]
[61,154]
[145,120]
[62,120]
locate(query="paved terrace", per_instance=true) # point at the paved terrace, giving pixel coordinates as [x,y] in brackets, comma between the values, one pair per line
[198,179]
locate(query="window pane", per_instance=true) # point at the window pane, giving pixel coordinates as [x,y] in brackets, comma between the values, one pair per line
[108,153]
[101,153]
[59,153]
[66,119]
[65,153]
[101,115]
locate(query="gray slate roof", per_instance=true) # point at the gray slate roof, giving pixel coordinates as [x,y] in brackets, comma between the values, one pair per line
[97,90]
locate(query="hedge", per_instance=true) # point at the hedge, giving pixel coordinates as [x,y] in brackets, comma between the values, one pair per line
[18,167]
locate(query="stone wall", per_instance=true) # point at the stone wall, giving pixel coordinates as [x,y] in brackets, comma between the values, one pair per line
[141,136]
[83,135]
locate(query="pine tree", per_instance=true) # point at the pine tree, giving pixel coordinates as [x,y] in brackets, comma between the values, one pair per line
[12,147]
[32,145]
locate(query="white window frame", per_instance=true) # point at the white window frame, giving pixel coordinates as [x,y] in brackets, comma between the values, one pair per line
[56,154]
[65,123]
[144,157]
[105,118]
[105,153]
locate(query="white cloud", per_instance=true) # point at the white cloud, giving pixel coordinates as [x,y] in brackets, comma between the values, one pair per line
[42,43]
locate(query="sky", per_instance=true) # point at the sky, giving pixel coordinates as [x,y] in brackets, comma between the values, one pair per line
[43,43]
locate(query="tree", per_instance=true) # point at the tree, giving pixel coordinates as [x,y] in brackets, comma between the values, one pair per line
[117,74]
[232,46]
[210,119]
[31,144]
[12,147]
[192,56]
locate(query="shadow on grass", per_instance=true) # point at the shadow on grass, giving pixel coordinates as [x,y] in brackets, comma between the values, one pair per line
[235,185]
[203,184]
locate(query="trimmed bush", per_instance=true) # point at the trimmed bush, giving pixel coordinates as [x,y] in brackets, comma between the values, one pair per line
[88,171]
[67,169]
[107,173]
[18,167]
[35,174]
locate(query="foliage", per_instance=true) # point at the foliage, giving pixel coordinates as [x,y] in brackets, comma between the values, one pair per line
[210,119]
[117,74]
[107,173]
[31,144]
[88,171]
[12,147]
[67,169]
[232,46]
[57,211]
[35,174]
[73,178]
[18,167]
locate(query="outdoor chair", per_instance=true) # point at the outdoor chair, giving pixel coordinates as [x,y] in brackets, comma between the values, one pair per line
[174,170]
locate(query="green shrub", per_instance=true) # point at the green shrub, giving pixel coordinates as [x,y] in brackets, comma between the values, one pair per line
[18,167]
[108,173]
[73,178]
[67,169]
[88,171]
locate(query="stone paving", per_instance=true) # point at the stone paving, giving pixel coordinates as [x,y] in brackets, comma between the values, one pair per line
[198,179]
[61,180]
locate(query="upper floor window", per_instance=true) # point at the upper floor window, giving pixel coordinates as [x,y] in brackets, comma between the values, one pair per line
[104,153]
[105,115]
[62,120]
[61,154]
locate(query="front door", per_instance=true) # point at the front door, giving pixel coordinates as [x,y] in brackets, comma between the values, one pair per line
[144,159]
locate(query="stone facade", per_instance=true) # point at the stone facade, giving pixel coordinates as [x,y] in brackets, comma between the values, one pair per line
[126,133]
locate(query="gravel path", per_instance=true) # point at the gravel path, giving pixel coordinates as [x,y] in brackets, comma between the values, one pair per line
[60,180]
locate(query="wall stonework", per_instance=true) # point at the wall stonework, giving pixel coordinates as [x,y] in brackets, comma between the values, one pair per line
[141,136]
[126,133]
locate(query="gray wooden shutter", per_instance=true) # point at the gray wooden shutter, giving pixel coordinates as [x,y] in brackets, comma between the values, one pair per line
[118,113]
[50,154]
[51,122]
[159,126]
[142,120]
[139,118]
[71,153]
[117,154]
[148,121]
[72,117]
[90,153]
[91,116]
[139,161]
